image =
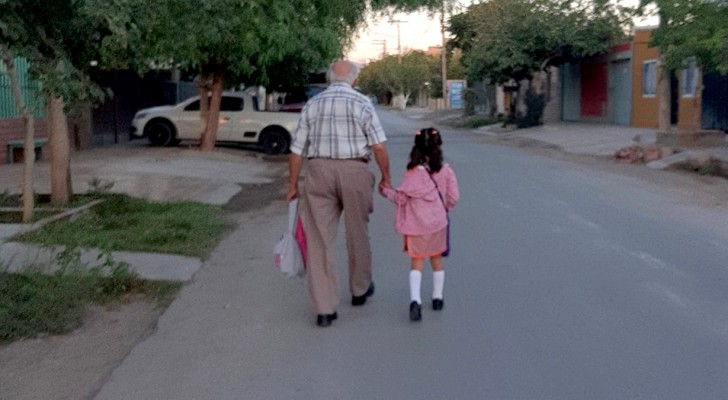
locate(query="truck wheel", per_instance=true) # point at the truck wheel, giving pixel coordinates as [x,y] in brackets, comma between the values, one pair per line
[160,133]
[275,142]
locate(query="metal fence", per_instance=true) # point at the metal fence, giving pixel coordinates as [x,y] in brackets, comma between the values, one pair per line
[29,89]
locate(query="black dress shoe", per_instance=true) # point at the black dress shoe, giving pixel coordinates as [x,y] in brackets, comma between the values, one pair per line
[415,311]
[324,320]
[437,304]
[360,300]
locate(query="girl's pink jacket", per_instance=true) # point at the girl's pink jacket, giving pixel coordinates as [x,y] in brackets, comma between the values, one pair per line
[419,208]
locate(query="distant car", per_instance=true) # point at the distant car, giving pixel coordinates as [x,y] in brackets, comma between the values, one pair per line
[240,122]
[295,102]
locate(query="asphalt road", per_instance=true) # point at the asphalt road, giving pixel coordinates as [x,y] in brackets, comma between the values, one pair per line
[564,282]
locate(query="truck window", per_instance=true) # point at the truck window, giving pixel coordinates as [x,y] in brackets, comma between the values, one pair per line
[230,103]
[227,103]
[194,106]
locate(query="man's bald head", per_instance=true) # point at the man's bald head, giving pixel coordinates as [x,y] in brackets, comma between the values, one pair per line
[342,71]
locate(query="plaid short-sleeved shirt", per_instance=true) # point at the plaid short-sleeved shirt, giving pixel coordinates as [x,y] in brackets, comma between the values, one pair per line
[337,123]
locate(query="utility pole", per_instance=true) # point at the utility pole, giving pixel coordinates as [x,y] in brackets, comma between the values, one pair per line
[399,43]
[443,56]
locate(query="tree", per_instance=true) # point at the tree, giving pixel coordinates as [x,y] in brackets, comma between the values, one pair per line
[693,30]
[690,31]
[28,121]
[515,40]
[58,40]
[231,43]
[399,76]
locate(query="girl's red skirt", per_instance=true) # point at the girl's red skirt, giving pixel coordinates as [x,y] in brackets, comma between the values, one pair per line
[426,246]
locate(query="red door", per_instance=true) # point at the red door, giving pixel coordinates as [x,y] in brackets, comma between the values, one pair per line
[594,89]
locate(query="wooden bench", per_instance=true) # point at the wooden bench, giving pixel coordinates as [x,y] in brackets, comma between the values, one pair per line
[20,144]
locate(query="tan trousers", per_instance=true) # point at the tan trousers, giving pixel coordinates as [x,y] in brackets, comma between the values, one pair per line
[333,187]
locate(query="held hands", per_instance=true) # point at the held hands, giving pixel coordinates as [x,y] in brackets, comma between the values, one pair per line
[384,183]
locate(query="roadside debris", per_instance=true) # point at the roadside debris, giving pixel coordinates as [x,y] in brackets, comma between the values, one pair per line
[643,154]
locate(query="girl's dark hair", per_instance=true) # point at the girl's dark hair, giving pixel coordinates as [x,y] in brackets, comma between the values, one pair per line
[426,150]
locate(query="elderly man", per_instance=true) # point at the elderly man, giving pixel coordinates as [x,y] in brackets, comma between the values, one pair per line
[338,132]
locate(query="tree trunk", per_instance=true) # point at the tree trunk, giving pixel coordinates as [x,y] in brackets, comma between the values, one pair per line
[204,90]
[538,82]
[698,102]
[399,102]
[60,152]
[663,97]
[521,107]
[207,142]
[29,147]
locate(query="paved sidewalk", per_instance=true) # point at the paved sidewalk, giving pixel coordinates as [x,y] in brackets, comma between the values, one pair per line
[606,140]
[161,174]
[594,139]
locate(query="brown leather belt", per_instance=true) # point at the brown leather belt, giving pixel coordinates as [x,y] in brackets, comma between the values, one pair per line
[362,159]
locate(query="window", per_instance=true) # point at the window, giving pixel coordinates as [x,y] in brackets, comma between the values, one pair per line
[649,78]
[689,75]
[227,103]
[230,103]
[194,106]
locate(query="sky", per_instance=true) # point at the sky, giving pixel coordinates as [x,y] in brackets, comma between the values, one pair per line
[417,31]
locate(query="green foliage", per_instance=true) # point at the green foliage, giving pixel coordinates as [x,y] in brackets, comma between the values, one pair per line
[470,98]
[472,121]
[125,223]
[693,29]
[34,303]
[60,40]
[534,111]
[274,42]
[97,187]
[8,199]
[399,76]
[505,40]
[270,42]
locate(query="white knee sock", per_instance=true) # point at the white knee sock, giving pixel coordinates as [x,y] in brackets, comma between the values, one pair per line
[438,283]
[415,281]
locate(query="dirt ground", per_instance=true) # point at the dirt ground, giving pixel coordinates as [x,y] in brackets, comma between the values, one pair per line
[74,366]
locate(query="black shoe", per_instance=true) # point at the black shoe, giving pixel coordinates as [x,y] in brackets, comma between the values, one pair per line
[360,300]
[437,304]
[324,320]
[415,311]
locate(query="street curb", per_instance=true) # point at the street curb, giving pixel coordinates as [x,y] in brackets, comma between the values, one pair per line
[149,266]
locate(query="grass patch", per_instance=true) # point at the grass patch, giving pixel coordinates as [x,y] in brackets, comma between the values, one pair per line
[12,204]
[33,303]
[37,302]
[477,122]
[712,167]
[123,223]
[16,217]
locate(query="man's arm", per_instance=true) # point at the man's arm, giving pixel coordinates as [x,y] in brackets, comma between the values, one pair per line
[382,158]
[294,169]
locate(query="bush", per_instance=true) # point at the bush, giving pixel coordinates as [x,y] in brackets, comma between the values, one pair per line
[534,111]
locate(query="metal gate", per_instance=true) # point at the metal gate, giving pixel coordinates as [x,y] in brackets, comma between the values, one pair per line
[30,90]
[715,102]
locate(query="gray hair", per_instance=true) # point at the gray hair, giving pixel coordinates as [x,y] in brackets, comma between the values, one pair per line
[350,77]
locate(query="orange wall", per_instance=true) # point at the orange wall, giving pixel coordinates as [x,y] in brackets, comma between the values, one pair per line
[644,109]
[689,108]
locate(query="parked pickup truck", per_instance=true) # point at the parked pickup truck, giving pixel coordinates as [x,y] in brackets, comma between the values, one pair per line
[240,122]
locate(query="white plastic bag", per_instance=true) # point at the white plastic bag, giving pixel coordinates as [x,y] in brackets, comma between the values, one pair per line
[287,254]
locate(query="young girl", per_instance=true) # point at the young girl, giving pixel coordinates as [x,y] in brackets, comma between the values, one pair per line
[428,191]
